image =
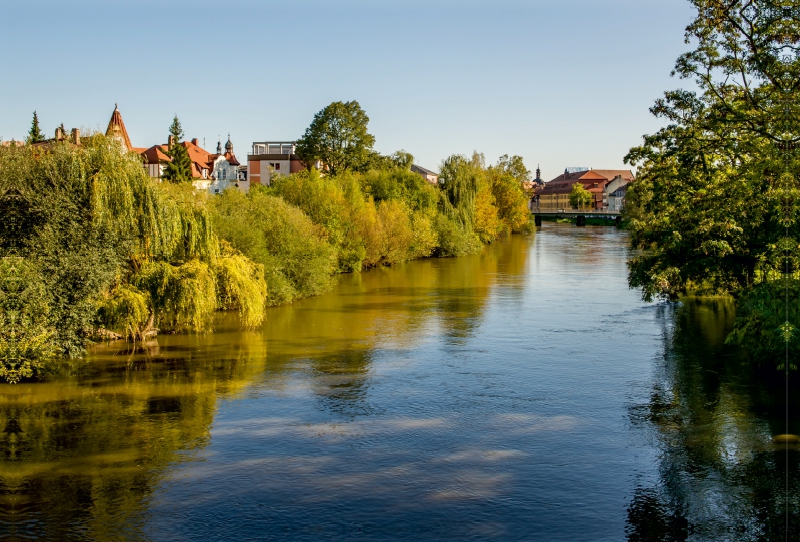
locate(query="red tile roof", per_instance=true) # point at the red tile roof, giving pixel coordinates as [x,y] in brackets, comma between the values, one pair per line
[201,158]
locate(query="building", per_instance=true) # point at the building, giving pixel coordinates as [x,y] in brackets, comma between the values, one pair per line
[554,196]
[430,176]
[533,188]
[116,130]
[272,157]
[616,199]
[210,171]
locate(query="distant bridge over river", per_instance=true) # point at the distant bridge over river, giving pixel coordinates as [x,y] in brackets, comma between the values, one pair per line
[579,216]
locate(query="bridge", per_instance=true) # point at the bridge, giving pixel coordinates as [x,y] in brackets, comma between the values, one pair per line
[579,216]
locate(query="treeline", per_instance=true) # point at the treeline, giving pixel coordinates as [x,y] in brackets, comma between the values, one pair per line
[92,248]
[715,209]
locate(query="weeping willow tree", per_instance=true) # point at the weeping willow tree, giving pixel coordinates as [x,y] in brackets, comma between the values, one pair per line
[89,242]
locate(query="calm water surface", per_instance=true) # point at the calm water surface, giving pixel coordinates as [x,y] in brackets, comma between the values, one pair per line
[521,394]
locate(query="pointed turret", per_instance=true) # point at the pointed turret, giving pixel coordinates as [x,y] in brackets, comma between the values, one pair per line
[116,129]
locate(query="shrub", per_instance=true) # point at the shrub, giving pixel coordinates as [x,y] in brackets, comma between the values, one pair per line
[297,258]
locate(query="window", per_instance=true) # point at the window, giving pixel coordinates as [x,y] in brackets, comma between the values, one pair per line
[277,167]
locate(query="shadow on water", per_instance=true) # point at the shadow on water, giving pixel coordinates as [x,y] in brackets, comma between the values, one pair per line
[712,417]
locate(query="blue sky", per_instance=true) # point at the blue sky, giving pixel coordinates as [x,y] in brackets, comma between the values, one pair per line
[561,83]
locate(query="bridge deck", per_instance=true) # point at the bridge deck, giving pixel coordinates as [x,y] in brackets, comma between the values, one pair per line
[572,214]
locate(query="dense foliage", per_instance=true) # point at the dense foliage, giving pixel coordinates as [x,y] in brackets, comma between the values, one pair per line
[92,248]
[579,197]
[715,207]
[91,244]
[338,138]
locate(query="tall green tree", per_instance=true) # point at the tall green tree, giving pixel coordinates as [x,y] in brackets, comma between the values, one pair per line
[179,169]
[338,138]
[35,134]
[717,200]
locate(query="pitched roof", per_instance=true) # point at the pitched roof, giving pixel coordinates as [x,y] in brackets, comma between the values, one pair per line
[419,169]
[116,129]
[201,159]
[155,155]
[609,174]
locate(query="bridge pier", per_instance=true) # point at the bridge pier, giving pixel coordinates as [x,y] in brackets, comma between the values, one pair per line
[580,220]
[537,221]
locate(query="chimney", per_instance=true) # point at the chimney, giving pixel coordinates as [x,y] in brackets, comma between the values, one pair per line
[170,141]
[59,134]
[76,136]
[194,142]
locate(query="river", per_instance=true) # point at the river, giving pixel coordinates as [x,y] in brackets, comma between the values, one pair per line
[521,394]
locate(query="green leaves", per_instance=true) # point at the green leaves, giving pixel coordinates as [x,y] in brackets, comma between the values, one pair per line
[715,206]
[579,197]
[338,138]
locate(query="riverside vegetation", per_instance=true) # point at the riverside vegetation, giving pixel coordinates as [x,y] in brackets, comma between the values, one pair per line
[716,205]
[92,248]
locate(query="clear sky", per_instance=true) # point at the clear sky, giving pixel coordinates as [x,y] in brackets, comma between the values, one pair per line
[559,82]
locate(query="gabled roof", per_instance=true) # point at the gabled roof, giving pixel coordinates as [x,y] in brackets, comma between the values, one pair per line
[626,174]
[155,155]
[419,169]
[116,129]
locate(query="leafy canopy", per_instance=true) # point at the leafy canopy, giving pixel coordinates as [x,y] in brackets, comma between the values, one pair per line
[717,201]
[579,197]
[338,138]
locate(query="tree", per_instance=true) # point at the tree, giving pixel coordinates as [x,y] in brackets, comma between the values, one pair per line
[579,197]
[179,169]
[338,138]
[717,203]
[402,159]
[515,167]
[91,242]
[35,134]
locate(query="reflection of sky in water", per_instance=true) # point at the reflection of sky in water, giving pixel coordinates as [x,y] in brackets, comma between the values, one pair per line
[521,393]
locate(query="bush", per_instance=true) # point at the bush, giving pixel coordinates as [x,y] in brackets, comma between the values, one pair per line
[297,258]
[453,239]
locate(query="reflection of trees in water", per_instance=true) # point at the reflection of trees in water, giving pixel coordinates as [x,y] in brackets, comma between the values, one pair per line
[720,475]
[80,457]
[341,382]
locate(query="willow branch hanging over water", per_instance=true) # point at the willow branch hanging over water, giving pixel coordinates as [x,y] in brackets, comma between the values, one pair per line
[92,246]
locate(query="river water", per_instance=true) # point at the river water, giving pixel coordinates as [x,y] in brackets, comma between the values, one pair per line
[521,394]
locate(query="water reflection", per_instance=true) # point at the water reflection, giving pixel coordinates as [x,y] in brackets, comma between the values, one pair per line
[82,454]
[713,415]
[476,398]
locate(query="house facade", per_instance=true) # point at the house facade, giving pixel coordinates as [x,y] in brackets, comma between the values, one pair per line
[616,199]
[214,172]
[600,183]
[269,158]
